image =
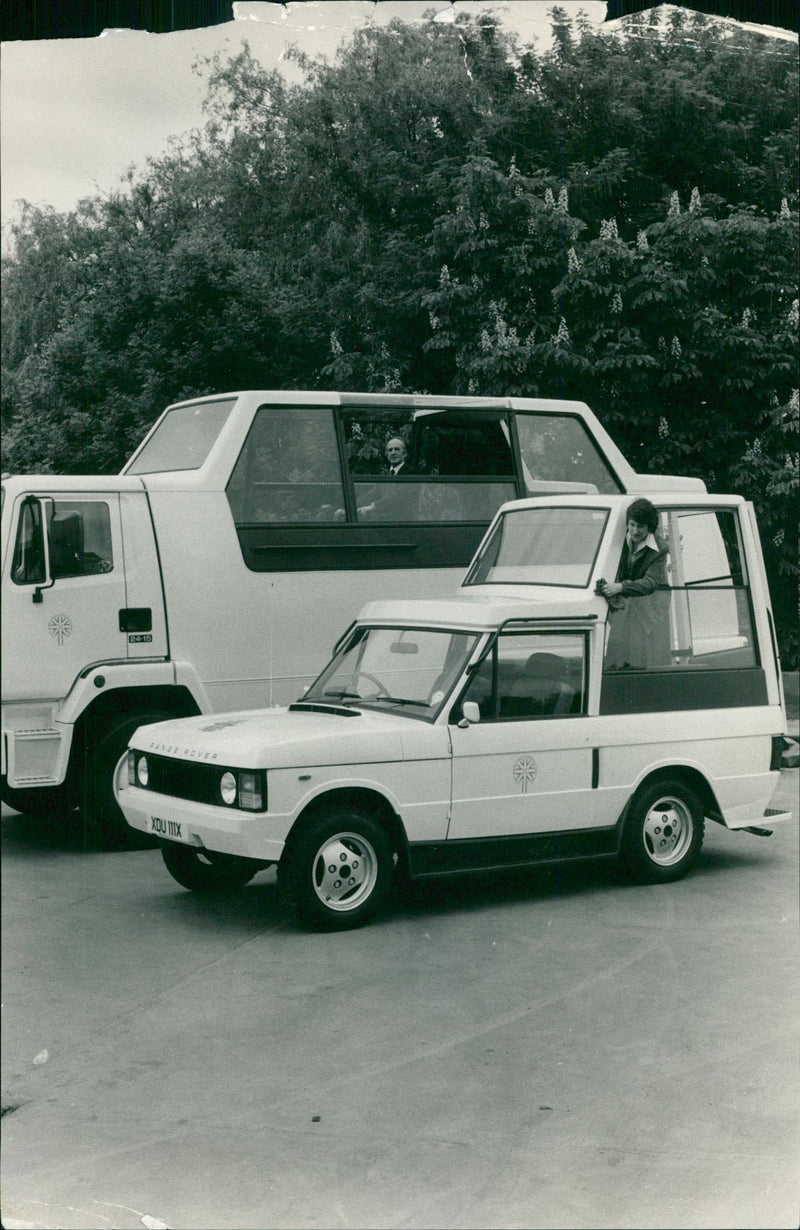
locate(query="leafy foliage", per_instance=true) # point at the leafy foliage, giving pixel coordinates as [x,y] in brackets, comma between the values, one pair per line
[442,211]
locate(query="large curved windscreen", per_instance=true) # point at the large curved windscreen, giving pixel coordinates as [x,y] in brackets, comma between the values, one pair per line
[541,546]
[183,438]
[399,670]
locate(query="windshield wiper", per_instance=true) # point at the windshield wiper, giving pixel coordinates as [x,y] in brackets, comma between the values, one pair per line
[401,700]
[343,695]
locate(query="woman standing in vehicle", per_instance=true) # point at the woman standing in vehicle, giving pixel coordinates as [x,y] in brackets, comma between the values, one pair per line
[638,631]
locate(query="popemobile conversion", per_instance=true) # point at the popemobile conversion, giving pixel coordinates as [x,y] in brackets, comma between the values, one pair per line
[492,728]
[243,532]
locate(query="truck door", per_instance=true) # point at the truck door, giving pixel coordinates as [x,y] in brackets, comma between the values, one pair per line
[59,619]
[526,768]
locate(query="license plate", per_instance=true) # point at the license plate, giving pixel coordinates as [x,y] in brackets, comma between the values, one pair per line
[168,828]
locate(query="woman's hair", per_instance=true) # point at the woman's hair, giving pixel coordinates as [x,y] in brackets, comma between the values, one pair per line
[643,513]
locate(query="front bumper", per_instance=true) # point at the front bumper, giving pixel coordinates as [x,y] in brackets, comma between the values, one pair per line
[257,835]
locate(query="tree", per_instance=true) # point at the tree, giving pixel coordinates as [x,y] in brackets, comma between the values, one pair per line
[442,211]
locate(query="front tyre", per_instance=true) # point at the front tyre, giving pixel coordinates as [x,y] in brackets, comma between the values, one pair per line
[336,872]
[207,871]
[663,831]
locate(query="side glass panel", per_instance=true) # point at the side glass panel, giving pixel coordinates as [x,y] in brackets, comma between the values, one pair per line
[558,449]
[288,469]
[79,539]
[183,439]
[392,500]
[531,675]
[702,618]
[541,546]
[425,466]
[27,566]
[710,620]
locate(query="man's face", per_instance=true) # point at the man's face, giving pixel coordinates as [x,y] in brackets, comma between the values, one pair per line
[637,532]
[395,452]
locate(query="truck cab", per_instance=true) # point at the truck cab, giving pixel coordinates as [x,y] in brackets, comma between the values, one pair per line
[497,727]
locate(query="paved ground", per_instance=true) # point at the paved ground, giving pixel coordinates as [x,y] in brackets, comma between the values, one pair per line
[542,1050]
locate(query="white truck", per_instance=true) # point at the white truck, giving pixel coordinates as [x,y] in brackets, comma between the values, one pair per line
[210,573]
[498,727]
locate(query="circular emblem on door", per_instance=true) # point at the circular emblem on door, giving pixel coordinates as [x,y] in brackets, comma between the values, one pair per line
[60,627]
[525,771]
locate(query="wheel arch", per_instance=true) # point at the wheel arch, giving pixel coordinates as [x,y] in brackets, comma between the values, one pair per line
[366,799]
[127,702]
[689,775]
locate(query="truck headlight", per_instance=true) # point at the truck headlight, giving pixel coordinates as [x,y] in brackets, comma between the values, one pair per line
[228,788]
[138,769]
[245,788]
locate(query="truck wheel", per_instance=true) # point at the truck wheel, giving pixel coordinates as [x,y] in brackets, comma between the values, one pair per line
[336,872]
[207,871]
[663,831]
[104,823]
[49,803]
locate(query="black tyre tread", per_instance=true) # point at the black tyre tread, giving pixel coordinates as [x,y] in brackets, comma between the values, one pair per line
[221,873]
[635,860]
[104,823]
[300,899]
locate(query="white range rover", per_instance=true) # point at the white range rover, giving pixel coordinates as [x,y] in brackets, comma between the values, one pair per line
[497,727]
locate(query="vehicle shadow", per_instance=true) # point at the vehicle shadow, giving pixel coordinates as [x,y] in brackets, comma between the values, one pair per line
[55,835]
[487,890]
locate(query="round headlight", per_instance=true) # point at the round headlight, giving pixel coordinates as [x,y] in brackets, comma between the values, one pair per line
[227,788]
[142,771]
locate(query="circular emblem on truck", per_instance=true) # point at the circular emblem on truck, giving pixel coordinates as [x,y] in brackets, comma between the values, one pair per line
[525,771]
[60,627]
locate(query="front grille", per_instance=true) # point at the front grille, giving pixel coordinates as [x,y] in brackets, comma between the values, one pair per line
[183,779]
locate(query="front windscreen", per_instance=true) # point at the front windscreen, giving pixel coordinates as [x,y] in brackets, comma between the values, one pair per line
[541,546]
[183,438]
[400,670]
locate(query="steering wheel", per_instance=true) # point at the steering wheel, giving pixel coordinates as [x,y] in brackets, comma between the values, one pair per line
[378,683]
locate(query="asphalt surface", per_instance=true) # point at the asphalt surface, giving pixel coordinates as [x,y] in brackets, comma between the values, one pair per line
[550,1049]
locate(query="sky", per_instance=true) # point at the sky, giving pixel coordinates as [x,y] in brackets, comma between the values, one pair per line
[76,113]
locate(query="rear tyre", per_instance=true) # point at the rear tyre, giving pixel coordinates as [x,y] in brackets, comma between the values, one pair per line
[337,871]
[207,871]
[104,823]
[663,832]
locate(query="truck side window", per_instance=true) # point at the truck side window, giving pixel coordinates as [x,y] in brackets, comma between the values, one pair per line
[288,469]
[531,675]
[79,538]
[558,448]
[27,566]
[457,467]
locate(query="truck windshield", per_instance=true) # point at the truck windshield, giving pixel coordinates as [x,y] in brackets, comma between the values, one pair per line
[408,670]
[541,546]
[183,438]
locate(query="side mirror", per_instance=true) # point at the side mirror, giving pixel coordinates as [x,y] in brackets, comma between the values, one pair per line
[470,713]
